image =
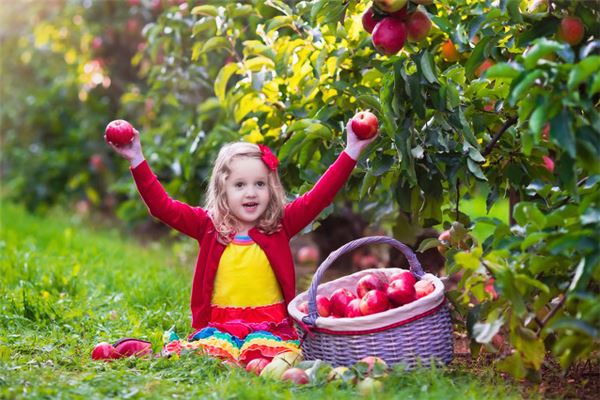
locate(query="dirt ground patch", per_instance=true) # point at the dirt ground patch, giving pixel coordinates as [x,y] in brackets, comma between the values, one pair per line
[581,380]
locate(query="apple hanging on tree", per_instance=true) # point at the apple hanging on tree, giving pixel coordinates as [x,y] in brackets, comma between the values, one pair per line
[389,35]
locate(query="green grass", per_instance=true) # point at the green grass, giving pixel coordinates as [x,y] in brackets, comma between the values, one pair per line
[65,286]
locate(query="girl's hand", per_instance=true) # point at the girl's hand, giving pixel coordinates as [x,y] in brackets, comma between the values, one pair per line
[355,146]
[132,151]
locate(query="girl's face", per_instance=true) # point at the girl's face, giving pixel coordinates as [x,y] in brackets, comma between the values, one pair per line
[247,191]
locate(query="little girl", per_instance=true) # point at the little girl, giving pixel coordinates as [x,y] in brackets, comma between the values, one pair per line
[244,276]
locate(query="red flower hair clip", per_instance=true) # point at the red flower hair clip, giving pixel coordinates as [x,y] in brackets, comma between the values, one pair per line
[268,157]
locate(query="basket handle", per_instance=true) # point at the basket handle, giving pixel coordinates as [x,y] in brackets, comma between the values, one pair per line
[415,267]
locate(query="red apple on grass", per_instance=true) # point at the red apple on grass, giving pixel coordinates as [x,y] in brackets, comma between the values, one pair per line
[339,301]
[375,301]
[423,288]
[364,125]
[295,375]
[256,365]
[104,351]
[571,30]
[119,132]
[389,35]
[400,292]
[417,26]
[369,282]
[353,309]
[372,361]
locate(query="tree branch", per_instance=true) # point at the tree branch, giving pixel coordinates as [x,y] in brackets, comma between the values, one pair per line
[490,146]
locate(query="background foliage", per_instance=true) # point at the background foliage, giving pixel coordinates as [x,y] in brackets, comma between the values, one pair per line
[290,74]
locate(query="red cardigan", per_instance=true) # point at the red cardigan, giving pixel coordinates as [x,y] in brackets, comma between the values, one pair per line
[195,222]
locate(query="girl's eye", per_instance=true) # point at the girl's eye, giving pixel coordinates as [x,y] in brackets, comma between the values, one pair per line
[260,184]
[239,185]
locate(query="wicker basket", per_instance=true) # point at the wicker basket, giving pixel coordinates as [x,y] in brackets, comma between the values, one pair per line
[418,333]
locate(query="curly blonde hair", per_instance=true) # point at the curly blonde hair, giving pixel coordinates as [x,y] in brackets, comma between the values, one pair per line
[216,200]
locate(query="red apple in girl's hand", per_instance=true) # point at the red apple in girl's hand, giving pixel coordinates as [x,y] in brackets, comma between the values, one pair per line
[339,301]
[401,291]
[104,351]
[353,309]
[374,302]
[256,365]
[119,132]
[364,125]
[369,282]
[423,288]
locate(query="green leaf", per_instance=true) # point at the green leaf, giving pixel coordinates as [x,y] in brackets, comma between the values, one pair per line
[532,239]
[560,127]
[527,213]
[522,87]
[382,164]
[477,56]
[427,244]
[513,364]
[214,43]
[541,48]
[521,280]
[583,71]
[371,101]
[475,169]
[574,324]
[538,119]
[280,21]
[512,6]
[428,67]
[509,70]
[205,10]
[485,332]
[222,78]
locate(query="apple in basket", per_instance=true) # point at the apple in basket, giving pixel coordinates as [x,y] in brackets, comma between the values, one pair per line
[353,309]
[339,300]
[401,291]
[375,301]
[423,288]
[323,306]
[405,275]
[369,282]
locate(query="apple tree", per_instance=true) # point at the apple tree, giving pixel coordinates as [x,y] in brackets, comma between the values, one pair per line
[500,95]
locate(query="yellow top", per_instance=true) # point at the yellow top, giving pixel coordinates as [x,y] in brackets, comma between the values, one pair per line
[244,277]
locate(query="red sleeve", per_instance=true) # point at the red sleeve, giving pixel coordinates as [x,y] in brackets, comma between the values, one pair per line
[183,217]
[307,207]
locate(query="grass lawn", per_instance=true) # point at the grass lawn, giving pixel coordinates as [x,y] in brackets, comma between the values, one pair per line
[65,286]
